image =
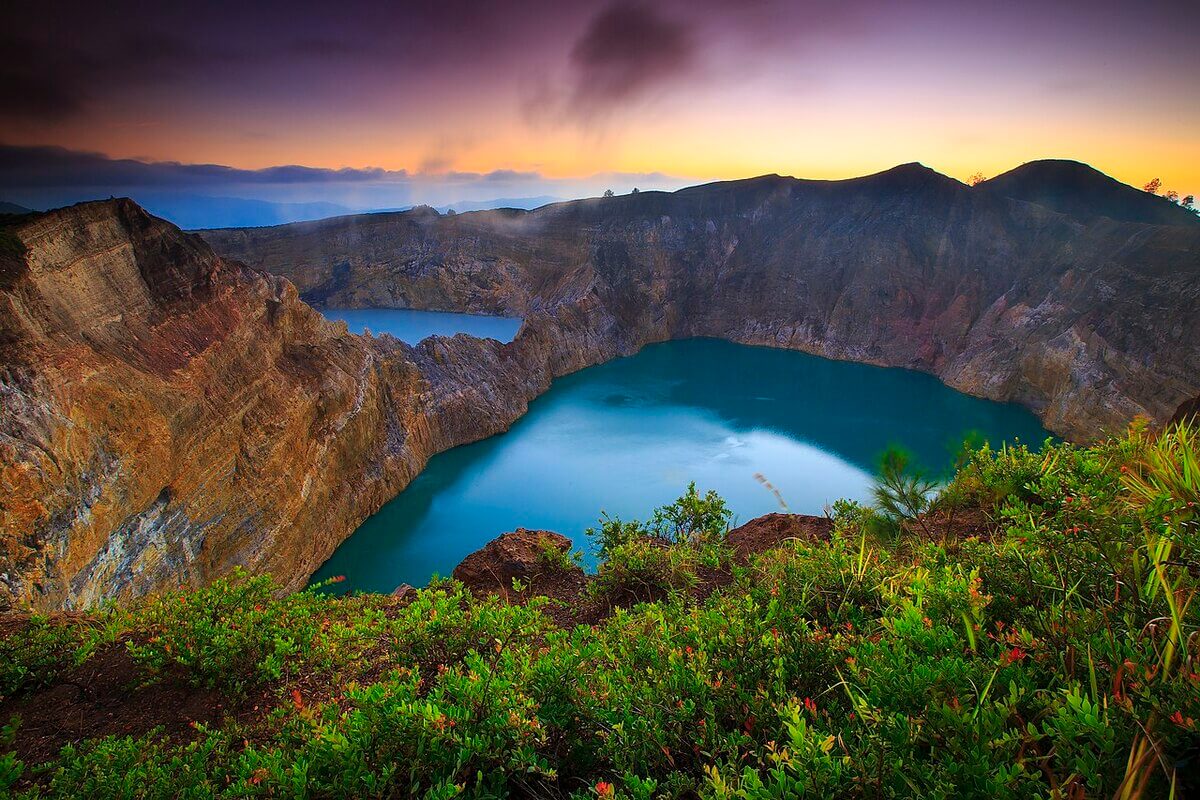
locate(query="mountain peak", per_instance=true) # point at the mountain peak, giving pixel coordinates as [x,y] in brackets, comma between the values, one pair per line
[1084,192]
[906,178]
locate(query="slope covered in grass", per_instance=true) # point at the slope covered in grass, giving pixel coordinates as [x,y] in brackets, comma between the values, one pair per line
[1029,633]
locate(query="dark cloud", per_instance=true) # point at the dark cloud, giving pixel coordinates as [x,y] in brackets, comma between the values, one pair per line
[33,86]
[41,98]
[626,50]
[52,81]
[68,57]
[42,167]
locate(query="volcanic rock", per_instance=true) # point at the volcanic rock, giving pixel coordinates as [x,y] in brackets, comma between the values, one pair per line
[523,555]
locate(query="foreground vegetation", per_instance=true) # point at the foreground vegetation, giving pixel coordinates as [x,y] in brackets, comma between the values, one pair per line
[1050,653]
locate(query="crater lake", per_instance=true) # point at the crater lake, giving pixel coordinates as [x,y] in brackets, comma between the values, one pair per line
[628,436]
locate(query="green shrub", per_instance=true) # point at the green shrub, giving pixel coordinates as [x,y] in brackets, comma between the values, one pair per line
[646,569]
[1057,658]
[238,632]
[902,492]
[692,517]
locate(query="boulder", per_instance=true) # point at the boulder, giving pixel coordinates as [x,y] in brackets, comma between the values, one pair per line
[519,555]
[772,530]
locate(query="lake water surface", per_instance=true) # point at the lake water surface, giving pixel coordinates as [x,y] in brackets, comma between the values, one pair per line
[629,435]
[413,326]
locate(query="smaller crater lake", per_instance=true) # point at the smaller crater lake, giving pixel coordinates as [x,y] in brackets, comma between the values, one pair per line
[628,436]
[412,326]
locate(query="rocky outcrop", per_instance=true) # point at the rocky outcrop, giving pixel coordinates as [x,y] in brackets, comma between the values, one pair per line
[522,555]
[1087,319]
[764,533]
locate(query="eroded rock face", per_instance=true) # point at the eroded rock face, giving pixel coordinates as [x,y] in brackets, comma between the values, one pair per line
[1086,319]
[168,415]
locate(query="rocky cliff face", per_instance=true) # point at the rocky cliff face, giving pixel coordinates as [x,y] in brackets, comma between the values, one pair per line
[168,414]
[1047,286]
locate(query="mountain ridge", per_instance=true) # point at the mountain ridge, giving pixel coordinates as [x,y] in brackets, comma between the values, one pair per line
[909,267]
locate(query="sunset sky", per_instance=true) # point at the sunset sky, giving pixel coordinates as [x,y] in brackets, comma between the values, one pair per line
[456,99]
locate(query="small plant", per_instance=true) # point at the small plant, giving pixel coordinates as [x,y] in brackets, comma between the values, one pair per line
[556,559]
[646,569]
[902,493]
[692,517]
[613,533]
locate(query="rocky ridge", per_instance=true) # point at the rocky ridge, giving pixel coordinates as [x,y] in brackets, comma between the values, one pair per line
[1013,290]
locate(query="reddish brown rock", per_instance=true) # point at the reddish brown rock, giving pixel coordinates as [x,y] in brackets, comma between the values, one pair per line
[772,530]
[522,555]
[168,415]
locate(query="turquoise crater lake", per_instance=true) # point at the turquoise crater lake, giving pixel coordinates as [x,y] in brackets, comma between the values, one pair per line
[413,326]
[629,435]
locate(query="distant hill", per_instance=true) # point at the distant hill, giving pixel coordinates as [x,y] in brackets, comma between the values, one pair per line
[198,212]
[191,211]
[527,203]
[1085,193]
[13,208]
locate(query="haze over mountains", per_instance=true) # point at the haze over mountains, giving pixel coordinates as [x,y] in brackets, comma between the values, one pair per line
[191,211]
[215,195]
[170,412]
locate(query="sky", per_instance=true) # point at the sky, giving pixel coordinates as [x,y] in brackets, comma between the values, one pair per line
[378,104]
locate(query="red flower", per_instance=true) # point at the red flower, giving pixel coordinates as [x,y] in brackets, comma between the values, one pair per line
[1016,654]
[604,789]
[337,579]
[297,700]
[810,705]
[1182,721]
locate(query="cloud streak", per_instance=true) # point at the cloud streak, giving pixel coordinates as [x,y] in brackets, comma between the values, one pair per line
[42,167]
[627,50]
[46,177]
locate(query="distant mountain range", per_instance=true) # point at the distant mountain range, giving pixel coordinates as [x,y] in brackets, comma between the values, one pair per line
[526,203]
[1052,284]
[197,212]
[193,212]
